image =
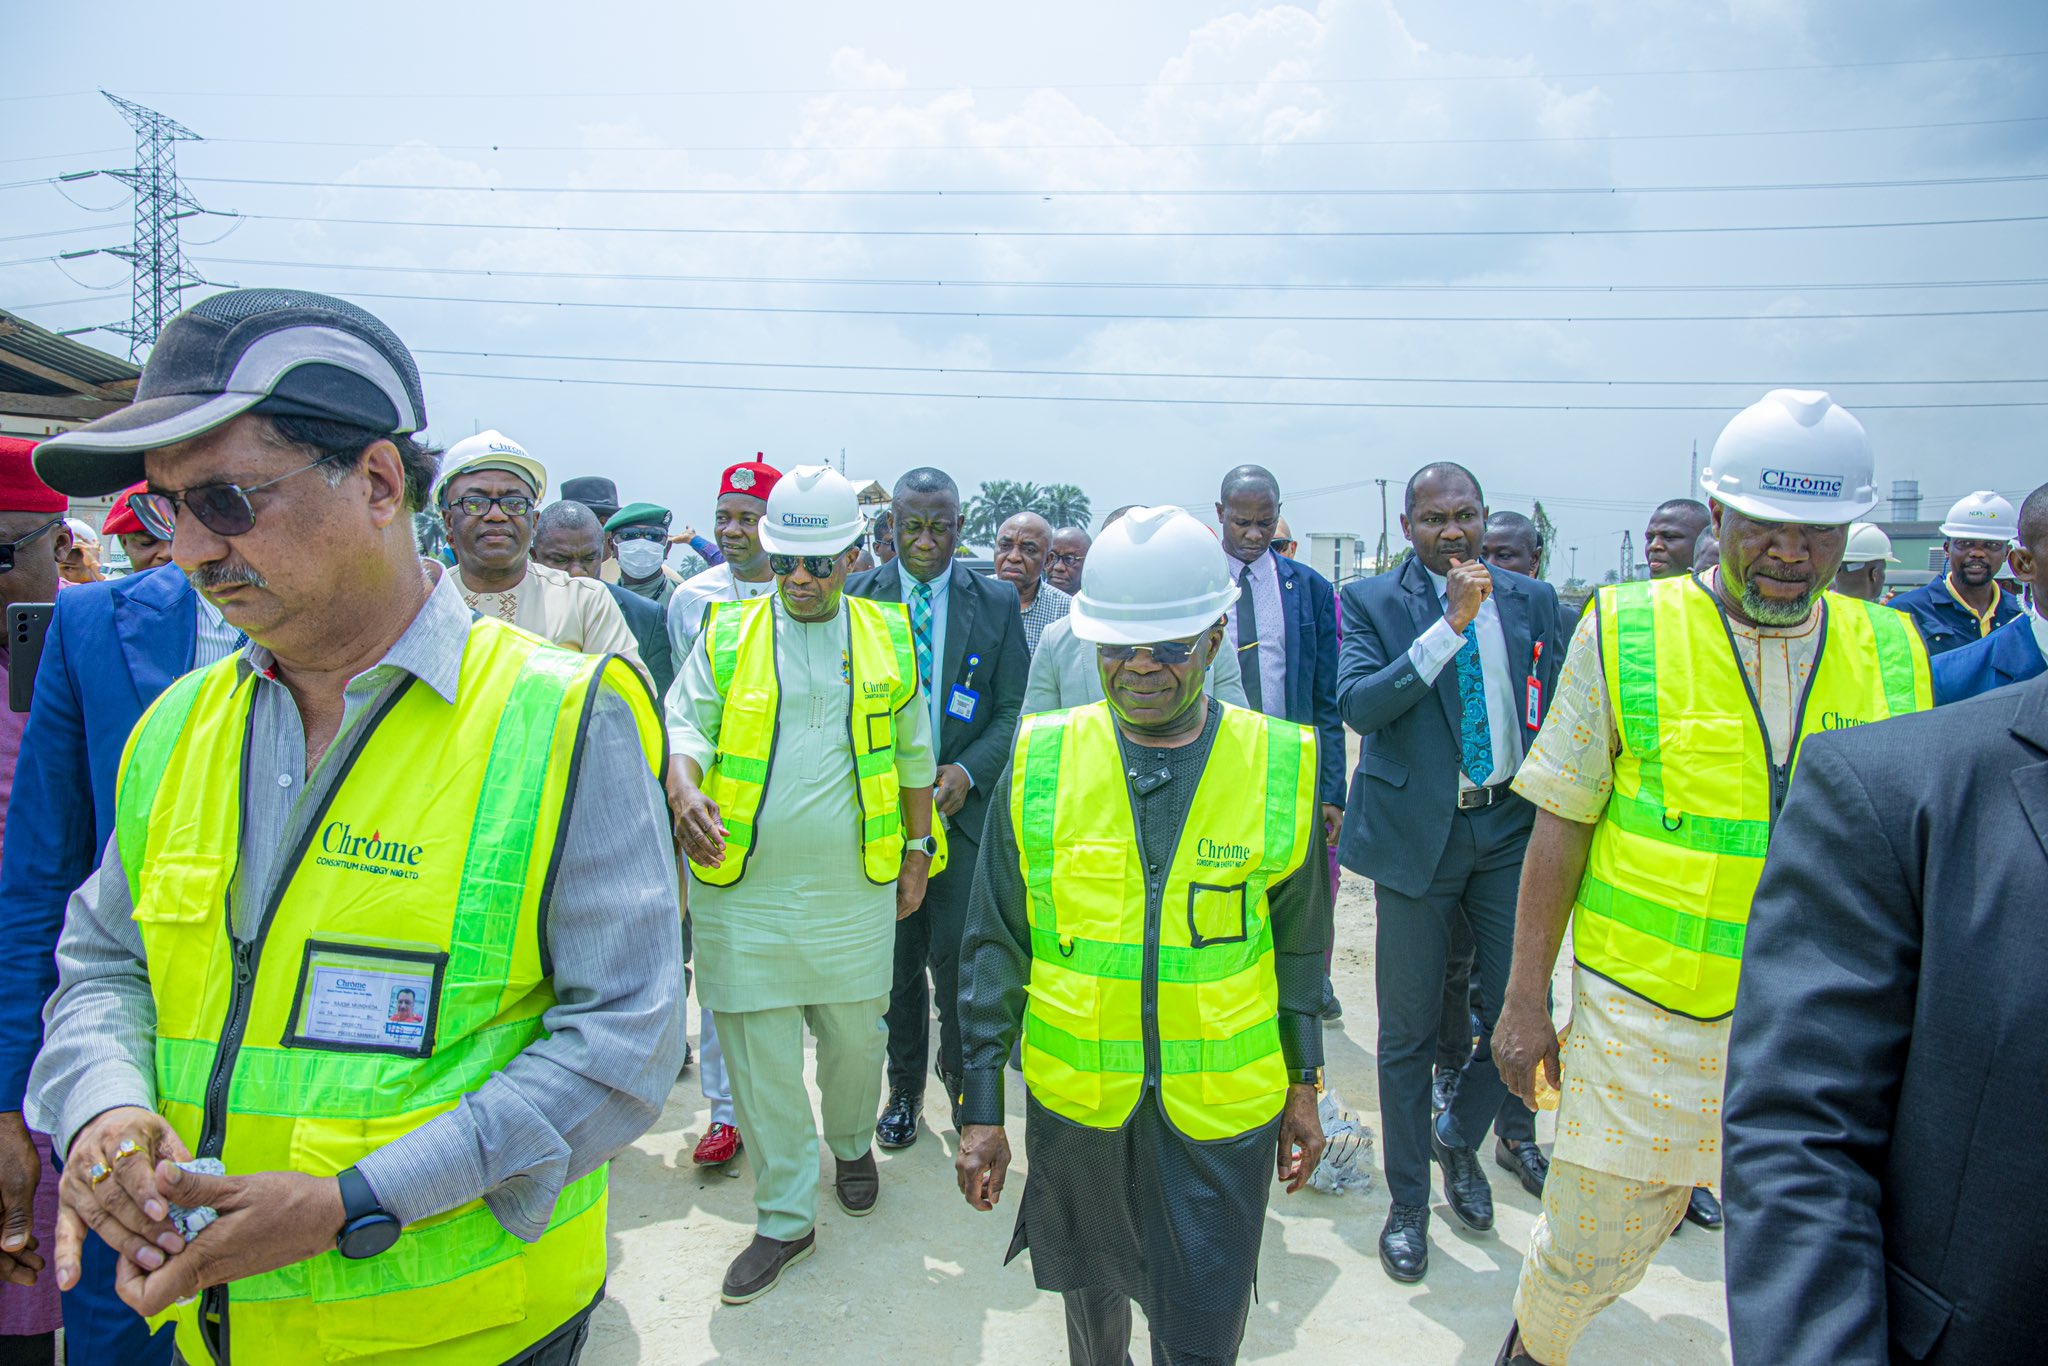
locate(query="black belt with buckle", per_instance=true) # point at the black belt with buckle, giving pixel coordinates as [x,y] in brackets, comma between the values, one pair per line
[1473,798]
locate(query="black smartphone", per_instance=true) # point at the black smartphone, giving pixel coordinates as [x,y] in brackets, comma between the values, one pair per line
[27,624]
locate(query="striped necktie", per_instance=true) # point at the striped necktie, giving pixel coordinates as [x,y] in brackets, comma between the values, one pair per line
[921,631]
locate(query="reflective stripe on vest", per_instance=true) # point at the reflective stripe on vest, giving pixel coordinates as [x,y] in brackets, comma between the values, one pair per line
[432,853]
[1674,863]
[1220,1069]
[739,638]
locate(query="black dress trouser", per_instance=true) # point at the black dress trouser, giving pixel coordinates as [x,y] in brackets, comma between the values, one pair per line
[1454,1045]
[929,941]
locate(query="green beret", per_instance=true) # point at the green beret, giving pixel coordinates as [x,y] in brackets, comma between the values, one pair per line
[635,513]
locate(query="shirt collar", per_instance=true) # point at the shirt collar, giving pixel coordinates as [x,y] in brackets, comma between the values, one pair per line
[1263,568]
[430,648]
[939,586]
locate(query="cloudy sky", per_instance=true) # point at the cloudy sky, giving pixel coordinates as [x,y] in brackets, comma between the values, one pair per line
[650,239]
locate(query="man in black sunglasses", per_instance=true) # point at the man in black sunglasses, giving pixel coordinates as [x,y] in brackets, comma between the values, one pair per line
[380,788]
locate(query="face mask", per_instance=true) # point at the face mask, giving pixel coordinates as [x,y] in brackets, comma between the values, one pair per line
[641,559]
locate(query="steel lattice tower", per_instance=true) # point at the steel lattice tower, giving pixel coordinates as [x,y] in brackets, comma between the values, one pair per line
[161,272]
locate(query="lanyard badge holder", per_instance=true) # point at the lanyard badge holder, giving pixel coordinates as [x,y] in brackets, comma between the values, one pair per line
[962,701]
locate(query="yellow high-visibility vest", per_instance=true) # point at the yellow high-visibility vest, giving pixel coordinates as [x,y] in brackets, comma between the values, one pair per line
[398,967]
[1216,1049]
[1675,860]
[739,637]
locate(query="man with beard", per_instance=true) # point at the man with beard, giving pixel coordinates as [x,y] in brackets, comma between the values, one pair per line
[1063,562]
[487,495]
[1022,544]
[2017,650]
[1672,536]
[1660,774]
[1965,605]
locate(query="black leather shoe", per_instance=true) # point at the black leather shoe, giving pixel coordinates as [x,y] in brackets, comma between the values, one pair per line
[1703,1209]
[1443,1090]
[759,1269]
[857,1184]
[1404,1243]
[1527,1162]
[1511,1351]
[897,1128]
[1465,1186]
[1333,1009]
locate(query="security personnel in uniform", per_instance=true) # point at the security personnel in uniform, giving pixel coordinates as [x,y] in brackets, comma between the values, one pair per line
[357,871]
[1155,876]
[1659,775]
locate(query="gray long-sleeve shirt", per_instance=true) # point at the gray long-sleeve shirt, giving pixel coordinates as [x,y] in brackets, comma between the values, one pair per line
[558,1110]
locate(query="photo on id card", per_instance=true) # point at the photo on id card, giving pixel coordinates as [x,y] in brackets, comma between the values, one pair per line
[368,997]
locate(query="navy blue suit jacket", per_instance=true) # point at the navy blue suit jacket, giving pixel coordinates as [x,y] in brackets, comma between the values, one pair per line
[1405,792]
[649,625]
[112,647]
[1310,606]
[2009,654]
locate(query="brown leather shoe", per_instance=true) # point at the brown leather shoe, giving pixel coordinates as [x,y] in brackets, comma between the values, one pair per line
[857,1184]
[756,1271]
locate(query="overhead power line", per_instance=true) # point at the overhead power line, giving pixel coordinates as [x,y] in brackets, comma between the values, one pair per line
[1147,234]
[1281,287]
[642,305]
[1776,382]
[1263,145]
[1117,192]
[1183,402]
[525,93]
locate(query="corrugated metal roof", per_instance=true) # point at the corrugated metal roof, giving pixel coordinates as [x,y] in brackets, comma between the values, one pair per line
[44,352]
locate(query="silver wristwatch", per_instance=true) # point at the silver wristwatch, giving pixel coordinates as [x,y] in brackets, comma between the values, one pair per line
[928,845]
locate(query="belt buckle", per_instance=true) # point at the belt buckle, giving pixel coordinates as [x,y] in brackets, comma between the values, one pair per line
[1477,798]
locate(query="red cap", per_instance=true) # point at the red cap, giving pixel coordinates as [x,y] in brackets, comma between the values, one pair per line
[755,478]
[121,519]
[20,489]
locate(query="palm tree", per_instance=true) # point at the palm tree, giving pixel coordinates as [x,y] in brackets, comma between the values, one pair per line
[997,502]
[1064,505]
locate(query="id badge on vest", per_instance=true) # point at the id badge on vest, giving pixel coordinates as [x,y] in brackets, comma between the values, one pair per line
[367,997]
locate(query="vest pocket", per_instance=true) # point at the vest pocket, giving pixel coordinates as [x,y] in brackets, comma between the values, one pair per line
[182,890]
[1063,1031]
[1660,906]
[356,1315]
[1092,904]
[1216,915]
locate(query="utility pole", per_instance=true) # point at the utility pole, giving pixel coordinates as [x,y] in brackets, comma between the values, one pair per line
[1575,563]
[1628,556]
[160,270]
[1379,563]
[1692,490]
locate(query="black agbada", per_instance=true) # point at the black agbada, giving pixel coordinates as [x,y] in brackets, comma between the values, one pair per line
[1143,1211]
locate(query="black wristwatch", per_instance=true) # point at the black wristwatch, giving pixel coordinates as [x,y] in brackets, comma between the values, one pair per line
[366,1229]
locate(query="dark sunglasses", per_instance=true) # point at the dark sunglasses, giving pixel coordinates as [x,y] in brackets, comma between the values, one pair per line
[817,566]
[223,509]
[7,548]
[1171,653]
[642,533]
[480,504]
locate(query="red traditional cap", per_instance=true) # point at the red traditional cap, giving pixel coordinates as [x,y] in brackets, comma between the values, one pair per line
[20,489]
[755,478]
[121,519]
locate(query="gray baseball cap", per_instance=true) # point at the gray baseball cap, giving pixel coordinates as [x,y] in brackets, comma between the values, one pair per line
[280,351]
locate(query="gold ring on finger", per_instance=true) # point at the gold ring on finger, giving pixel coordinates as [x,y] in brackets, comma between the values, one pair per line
[128,1148]
[98,1172]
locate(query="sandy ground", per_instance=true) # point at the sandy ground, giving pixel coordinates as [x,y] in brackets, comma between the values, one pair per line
[921,1279]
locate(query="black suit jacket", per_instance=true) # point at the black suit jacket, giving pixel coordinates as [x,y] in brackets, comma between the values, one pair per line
[649,625]
[1405,791]
[1888,1067]
[983,619]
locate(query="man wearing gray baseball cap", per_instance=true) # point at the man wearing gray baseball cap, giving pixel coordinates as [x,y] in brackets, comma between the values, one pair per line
[357,869]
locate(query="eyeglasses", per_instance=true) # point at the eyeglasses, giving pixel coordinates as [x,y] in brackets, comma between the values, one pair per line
[480,504]
[817,566]
[1171,653]
[640,533]
[223,509]
[7,548]
[1062,558]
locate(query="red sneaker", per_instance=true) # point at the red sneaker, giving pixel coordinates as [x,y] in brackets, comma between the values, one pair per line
[718,1147]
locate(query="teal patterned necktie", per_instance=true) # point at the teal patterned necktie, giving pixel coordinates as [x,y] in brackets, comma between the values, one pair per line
[921,631]
[1475,736]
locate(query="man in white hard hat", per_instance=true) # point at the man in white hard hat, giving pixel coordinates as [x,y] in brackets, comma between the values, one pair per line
[802,785]
[2018,650]
[1153,879]
[1659,774]
[488,496]
[1966,604]
[1868,551]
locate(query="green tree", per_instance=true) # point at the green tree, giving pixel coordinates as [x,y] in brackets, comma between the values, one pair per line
[1064,505]
[997,502]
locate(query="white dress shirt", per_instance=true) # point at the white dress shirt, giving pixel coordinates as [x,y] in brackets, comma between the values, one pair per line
[1272,646]
[1439,645]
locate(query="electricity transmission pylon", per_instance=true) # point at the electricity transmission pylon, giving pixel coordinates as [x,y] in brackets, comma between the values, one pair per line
[160,270]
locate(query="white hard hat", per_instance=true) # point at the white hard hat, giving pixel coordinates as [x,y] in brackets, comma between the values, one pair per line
[81,532]
[1983,516]
[1153,574]
[1867,542]
[812,511]
[1793,456]
[491,450]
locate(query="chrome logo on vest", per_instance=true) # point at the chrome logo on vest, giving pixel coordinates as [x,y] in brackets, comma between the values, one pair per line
[1804,485]
[1210,854]
[370,853]
[1834,720]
